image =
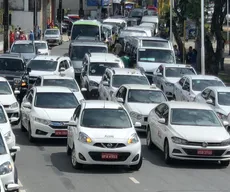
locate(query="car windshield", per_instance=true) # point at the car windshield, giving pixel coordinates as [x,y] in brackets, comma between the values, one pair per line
[42,65]
[5,88]
[145,96]
[23,48]
[156,56]
[178,72]
[119,80]
[136,13]
[105,118]
[56,100]
[85,30]
[132,33]
[41,45]
[78,52]
[2,116]
[201,84]
[9,64]
[2,146]
[194,117]
[224,98]
[52,32]
[70,83]
[98,69]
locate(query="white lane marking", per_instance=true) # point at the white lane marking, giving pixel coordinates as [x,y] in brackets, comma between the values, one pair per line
[22,190]
[134,180]
[20,183]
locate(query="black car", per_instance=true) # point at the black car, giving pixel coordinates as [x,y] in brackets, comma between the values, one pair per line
[138,13]
[13,68]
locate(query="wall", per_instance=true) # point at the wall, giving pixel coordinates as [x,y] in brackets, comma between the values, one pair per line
[70,4]
[14,4]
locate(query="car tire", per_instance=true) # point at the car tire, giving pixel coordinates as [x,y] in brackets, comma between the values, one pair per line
[224,163]
[74,162]
[149,142]
[30,137]
[137,166]
[167,158]
[68,150]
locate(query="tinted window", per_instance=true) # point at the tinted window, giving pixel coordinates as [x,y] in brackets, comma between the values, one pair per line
[119,80]
[2,116]
[178,72]
[56,100]
[23,48]
[85,30]
[152,43]
[41,45]
[194,117]
[201,84]
[5,88]
[136,13]
[2,146]
[224,98]
[156,55]
[52,32]
[146,96]
[105,118]
[98,69]
[8,64]
[78,52]
[42,65]
[70,83]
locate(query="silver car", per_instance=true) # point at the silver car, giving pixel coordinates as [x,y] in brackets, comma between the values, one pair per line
[53,36]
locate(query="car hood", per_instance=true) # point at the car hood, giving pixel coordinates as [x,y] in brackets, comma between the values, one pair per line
[78,95]
[40,73]
[201,133]
[55,114]
[28,56]
[225,110]
[76,64]
[142,108]
[172,79]
[10,75]
[5,127]
[148,66]
[96,79]
[7,99]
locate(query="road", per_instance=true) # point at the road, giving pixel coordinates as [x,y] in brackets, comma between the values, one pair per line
[45,167]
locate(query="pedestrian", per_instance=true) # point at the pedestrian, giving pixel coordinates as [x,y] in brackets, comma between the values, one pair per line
[193,59]
[176,50]
[16,34]
[126,59]
[39,33]
[117,47]
[189,55]
[31,35]
[22,36]
[11,38]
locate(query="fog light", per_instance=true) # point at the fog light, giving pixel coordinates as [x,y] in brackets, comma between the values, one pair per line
[39,132]
[135,158]
[81,157]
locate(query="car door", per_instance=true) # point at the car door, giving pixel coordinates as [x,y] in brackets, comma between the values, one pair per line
[203,96]
[186,90]
[163,128]
[178,89]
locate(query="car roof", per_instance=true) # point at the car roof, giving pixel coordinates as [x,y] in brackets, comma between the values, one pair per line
[47,57]
[207,77]
[23,42]
[114,20]
[40,41]
[141,87]
[187,105]
[100,104]
[104,57]
[176,65]
[88,42]
[3,79]
[52,89]
[55,77]
[219,89]
[126,71]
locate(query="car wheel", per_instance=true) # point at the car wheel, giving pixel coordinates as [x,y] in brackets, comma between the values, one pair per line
[68,150]
[168,159]
[74,162]
[224,163]
[149,142]
[30,137]
[137,166]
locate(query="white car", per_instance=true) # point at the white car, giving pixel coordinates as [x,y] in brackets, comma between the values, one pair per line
[9,101]
[218,98]
[61,81]
[188,131]
[189,86]
[113,78]
[10,187]
[166,75]
[42,46]
[139,100]
[8,170]
[46,111]
[102,133]
[50,65]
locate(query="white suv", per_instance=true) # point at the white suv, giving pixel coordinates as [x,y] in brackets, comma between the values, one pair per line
[94,65]
[113,78]
[102,133]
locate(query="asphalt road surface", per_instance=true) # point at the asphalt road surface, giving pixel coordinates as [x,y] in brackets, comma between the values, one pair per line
[45,167]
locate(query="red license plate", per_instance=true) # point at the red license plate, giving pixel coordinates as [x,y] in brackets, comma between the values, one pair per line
[109,156]
[61,132]
[204,152]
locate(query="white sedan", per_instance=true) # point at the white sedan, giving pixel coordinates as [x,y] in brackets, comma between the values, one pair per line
[139,100]
[189,86]
[101,132]
[10,187]
[188,131]
[46,112]
[42,46]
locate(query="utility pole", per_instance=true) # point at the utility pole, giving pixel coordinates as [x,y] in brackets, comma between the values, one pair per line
[35,19]
[61,15]
[202,39]
[6,24]
[228,27]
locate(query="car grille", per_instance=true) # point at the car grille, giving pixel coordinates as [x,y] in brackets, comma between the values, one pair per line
[32,80]
[109,145]
[6,106]
[200,144]
[96,156]
[58,125]
[214,152]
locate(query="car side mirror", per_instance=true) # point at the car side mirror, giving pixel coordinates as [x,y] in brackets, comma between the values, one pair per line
[161,120]
[83,89]
[12,187]
[186,88]
[27,105]
[13,120]
[159,74]
[14,149]
[105,83]
[62,69]
[28,70]
[120,100]
[137,124]
[209,101]
[16,92]
[225,123]
[72,123]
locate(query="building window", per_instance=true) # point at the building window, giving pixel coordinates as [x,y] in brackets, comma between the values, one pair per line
[31,5]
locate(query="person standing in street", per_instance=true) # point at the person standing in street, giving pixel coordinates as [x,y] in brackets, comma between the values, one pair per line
[22,36]
[16,34]
[189,55]
[31,36]
[193,59]
[11,38]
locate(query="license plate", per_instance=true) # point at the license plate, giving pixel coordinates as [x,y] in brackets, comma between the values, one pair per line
[204,152]
[61,132]
[109,156]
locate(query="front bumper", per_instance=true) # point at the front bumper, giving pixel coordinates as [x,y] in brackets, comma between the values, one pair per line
[15,112]
[53,41]
[8,178]
[144,123]
[127,155]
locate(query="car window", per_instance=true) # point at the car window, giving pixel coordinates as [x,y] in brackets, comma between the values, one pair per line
[38,82]
[30,98]
[160,109]
[5,88]
[2,146]
[23,48]
[42,65]
[77,113]
[212,96]
[205,93]
[70,83]
[3,118]
[119,92]
[62,65]
[181,82]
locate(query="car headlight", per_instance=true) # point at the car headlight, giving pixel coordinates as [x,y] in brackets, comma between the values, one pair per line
[24,83]
[8,135]
[178,140]
[222,116]
[84,138]
[93,84]
[14,105]
[225,142]
[17,81]
[5,168]
[169,84]
[133,139]
[42,121]
[135,115]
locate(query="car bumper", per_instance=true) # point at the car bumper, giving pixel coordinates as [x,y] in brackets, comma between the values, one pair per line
[144,123]
[52,41]
[8,178]
[128,155]
[11,142]
[13,113]
[185,152]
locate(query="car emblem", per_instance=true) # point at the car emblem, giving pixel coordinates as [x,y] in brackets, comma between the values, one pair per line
[109,145]
[205,144]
